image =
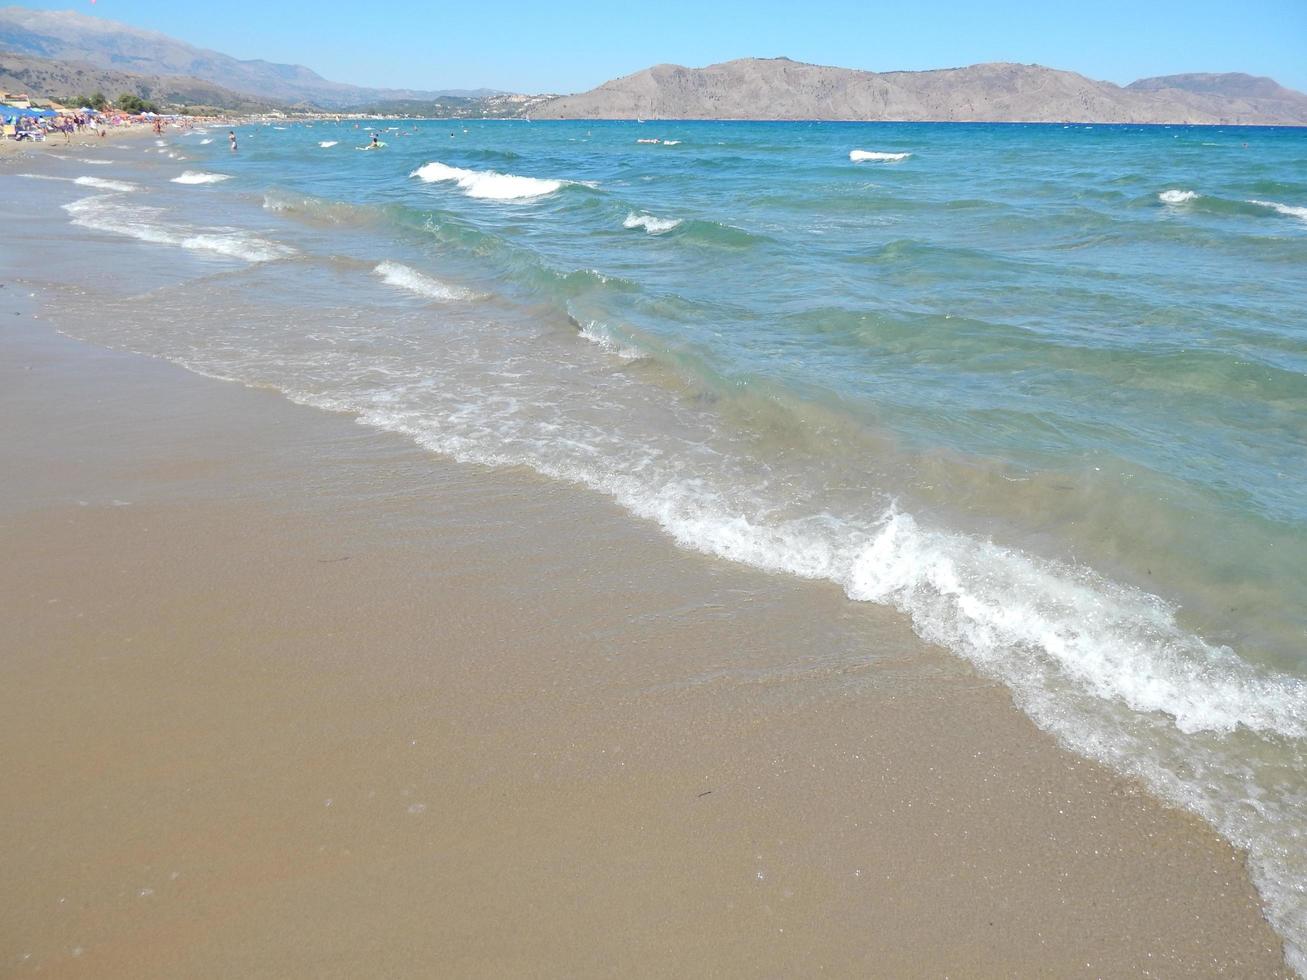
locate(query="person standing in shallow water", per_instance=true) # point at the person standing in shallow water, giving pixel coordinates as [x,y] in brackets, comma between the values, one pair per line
[231,138]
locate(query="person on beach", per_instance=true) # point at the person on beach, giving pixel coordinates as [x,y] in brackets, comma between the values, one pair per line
[231,138]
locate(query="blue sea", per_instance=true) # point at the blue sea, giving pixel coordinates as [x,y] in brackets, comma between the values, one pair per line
[1040,388]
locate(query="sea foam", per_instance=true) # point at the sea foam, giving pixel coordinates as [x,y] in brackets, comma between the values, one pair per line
[200,177]
[327,144]
[121,186]
[651,224]
[488,184]
[876,156]
[1177,196]
[1288,210]
[599,335]
[103,213]
[402,277]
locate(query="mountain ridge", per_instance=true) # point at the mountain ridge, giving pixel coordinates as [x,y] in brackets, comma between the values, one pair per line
[94,42]
[62,80]
[779,88]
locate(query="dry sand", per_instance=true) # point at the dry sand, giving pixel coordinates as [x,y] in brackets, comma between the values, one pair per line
[282,696]
[88,139]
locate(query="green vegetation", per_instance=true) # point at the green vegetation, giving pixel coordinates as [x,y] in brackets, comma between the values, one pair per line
[96,101]
[134,104]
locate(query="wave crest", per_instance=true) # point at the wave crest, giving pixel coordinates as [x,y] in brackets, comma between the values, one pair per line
[876,156]
[489,184]
[103,213]
[650,223]
[1288,210]
[200,177]
[402,277]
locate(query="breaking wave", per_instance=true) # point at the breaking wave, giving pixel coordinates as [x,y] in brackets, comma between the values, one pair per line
[653,225]
[489,184]
[876,156]
[1288,210]
[104,213]
[121,186]
[200,177]
[402,277]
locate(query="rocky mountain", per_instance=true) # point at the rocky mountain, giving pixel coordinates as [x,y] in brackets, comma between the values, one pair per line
[92,41]
[1234,92]
[62,80]
[777,88]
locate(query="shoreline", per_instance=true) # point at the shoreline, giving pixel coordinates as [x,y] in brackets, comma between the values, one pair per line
[271,674]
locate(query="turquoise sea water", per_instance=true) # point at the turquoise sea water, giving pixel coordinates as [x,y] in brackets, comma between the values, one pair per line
[1041,388]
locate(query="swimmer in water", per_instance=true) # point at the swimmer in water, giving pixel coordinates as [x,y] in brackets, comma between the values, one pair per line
[375,144]
[231,138]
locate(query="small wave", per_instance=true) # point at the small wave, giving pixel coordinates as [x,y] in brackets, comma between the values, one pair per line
[599,335]
[489,184]
[671,142]
[200,177]
[121,186]
[206,142]
[402,277]
[160,142]
[103,213]
[93,162]
[1177,196]
[653,225]
[1288,210]
[876,156]
[328,144]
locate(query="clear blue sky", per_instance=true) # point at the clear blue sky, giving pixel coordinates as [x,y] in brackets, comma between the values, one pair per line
[562,46]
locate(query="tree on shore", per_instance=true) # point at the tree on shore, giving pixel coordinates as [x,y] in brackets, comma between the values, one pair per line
[95,101]
[134,104]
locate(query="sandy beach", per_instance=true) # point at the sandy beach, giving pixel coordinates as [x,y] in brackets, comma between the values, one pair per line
[88,139]
[284,696]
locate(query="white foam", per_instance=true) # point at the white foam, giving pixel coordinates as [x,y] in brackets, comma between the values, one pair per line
[671,142]
[160,142]
[598,334]
[200,177]
[1177,196]
[206,142]
[488,184]
[121,186]
[402,277]
[1288,210]
[327,144]
[653,225]
[876,156]
[999,608]
[103,213]
[94,163]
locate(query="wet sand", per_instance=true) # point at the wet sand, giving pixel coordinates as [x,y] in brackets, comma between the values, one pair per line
[284,696]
